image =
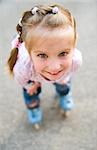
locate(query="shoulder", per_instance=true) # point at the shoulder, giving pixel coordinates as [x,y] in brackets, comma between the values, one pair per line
[23,53]
[24,59]
[77,56]
[77,59]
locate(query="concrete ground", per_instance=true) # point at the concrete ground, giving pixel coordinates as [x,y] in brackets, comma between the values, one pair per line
[79,130]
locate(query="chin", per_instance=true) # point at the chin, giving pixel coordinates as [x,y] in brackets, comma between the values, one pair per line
[54,77]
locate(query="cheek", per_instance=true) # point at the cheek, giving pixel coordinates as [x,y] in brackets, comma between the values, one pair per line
[38,65]
[67,63]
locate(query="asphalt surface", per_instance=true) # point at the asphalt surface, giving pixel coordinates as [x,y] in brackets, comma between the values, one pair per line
[79,130]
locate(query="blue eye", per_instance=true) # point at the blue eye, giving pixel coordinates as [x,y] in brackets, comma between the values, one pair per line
[63,54]
[42,55]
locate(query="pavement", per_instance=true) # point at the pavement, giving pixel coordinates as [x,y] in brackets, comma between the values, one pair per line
[79,130]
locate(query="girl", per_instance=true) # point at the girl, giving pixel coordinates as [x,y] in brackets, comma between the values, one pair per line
[44,51]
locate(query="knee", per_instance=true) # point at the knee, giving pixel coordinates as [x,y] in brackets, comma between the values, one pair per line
[63,89]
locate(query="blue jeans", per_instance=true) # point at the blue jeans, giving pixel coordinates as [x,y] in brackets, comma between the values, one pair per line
[61,89]
[29,99]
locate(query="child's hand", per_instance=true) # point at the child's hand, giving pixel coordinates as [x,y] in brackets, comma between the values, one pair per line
[33,89]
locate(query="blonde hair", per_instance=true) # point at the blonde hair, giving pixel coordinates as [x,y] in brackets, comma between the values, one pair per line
[44,17]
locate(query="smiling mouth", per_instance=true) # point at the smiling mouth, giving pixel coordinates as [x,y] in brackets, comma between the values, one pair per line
[56,73]
[52,74]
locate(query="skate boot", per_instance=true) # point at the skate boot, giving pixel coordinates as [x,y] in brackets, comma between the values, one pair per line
[35,117]
[66,104]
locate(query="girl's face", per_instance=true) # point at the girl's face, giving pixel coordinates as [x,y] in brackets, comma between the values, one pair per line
[52,54]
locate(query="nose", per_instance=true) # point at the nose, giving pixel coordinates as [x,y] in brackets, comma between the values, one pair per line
[54,66]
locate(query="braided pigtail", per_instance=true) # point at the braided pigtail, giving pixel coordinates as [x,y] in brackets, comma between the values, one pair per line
[21,36]
[12,59]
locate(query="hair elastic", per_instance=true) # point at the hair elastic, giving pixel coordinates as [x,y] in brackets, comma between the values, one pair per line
[34,10]
[17,44]
[55,10]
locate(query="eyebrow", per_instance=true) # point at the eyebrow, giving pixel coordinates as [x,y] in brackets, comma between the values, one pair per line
[64,50]
[35,51]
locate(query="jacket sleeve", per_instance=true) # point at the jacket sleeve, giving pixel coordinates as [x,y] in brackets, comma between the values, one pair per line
[22,69]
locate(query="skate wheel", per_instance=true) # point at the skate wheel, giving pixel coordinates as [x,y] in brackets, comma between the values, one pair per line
[65,113]
[36,126]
